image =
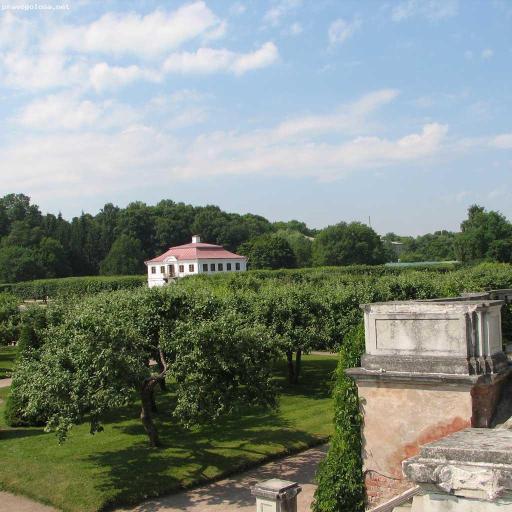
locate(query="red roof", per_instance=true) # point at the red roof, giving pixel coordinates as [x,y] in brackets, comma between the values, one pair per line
[196,251]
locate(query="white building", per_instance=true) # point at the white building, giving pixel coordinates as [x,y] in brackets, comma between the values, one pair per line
[193,258]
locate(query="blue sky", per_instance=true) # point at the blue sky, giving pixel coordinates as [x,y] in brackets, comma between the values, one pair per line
[323,110]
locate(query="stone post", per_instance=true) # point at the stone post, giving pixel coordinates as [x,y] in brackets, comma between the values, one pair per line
[469,471]
[430,368]
[276,495]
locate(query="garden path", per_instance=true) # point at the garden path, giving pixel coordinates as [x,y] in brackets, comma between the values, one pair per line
[234,494]
[5,383]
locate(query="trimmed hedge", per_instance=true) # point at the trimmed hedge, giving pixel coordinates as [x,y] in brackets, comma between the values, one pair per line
[40,289]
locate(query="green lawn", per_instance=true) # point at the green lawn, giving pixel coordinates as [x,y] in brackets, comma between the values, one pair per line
[89,473]
[7,357]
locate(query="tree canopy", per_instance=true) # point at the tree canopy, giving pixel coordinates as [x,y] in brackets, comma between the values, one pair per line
[348,244]
[95,355]
[118,240]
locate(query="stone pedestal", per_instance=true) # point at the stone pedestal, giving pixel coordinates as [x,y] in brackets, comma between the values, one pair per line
[430,368]
[469,471]
[276,495]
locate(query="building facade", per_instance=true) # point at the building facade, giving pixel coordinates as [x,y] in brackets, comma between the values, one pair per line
[194,258]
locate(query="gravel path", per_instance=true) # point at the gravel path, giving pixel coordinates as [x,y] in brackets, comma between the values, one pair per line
[234,494]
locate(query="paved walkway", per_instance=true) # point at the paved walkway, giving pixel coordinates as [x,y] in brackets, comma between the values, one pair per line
[13,503]
[5,383]
[234,494]
[230,495]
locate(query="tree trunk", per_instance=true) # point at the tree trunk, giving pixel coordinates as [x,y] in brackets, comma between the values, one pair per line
[161,368]
[146,414]
[291,370]
[298,360]
[154,408]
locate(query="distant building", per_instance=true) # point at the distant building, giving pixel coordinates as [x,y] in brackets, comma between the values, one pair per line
[194,258]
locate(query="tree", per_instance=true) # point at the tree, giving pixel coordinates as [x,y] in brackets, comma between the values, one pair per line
[97,355]
[301,246]
[19,264]
[124,258]
[294,315]
[137,221]
[53,258]
[348,244]
[268,252]
[479,232]
[294,225]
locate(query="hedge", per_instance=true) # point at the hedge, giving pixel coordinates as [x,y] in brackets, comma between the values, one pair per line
[40,289]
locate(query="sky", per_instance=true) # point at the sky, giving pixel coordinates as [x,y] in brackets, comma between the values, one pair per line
[396,113]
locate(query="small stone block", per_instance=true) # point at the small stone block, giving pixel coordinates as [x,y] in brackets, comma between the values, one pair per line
[276,489]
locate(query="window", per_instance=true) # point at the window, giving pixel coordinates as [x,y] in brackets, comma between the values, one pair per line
[162,270]
[228,266]
[220,266]
[212,267]
[205,267]
[182,268]
[153,270]
[237,266]
[191,267]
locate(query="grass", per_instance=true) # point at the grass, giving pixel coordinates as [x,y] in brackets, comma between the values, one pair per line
[115,467]
[7,358]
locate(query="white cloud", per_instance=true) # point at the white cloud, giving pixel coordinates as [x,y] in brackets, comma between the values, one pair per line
[76,164]
[228,153]
[487,53]
[296,29]
[131,33]
[274,15]
[429,9]
[68,112]
[104,77]
[349,118]
[237,9]
[209,60]
[503,141]
[217,32]
[92,160]
[341,30]
[44,71]
[15,32]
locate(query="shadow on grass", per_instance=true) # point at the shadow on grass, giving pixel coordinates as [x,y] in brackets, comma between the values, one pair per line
[191,457]
[7,360]
[236,491]
[315,380]
[18,433]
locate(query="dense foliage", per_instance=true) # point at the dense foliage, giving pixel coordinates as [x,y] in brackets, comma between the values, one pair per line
[348,244]
[41,289]
[96,353]
[117,240]
[340,474]
[269,251]
[9,318]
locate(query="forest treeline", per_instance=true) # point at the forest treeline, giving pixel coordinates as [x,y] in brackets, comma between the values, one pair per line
[116,241]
